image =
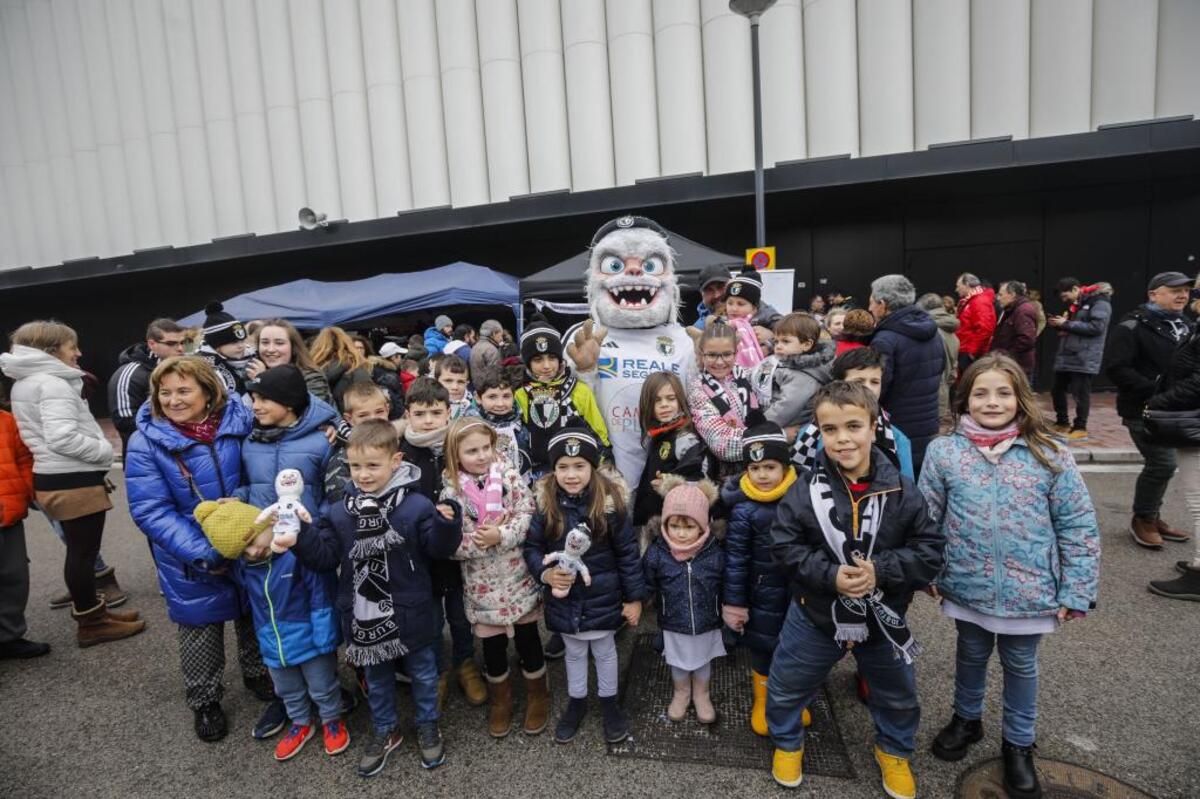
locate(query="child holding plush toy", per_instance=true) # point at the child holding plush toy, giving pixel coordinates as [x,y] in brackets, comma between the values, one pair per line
[501,598]
[683,567]
[298,636]
[583,513]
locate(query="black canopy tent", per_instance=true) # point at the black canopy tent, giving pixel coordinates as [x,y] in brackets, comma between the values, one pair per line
[564,283]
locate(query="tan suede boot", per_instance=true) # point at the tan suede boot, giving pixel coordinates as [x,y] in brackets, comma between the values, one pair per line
[107,586]
[677,710]
[96,627]
[537,702]
[705,712]
[471,683]
[501,711]
[122,615]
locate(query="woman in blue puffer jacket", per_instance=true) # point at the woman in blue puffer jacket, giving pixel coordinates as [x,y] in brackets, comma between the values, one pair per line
[188,448]
[683,568]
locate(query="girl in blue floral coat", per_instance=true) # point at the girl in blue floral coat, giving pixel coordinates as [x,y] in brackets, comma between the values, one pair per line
[1022,553]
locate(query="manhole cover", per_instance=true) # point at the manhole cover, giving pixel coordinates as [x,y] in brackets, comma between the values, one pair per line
[1059,781]
[647,690]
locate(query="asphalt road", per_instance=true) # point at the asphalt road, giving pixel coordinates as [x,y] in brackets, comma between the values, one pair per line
[1120,692]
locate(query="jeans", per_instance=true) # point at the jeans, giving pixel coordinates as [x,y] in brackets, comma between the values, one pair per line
[316,678]
[421,666]
[462,641]
[56,526]
[1018,656]
[803,660]
[1157,470]
[1080,387]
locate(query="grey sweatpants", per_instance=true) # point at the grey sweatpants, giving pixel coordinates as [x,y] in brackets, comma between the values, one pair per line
[604,650]
[14,582]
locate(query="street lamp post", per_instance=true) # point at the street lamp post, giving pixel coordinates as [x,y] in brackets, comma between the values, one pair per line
[752,10]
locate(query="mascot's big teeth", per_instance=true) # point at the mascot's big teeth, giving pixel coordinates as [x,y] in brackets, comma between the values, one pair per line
[633,296]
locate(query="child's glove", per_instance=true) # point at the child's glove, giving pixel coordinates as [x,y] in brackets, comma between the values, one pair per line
[735,617]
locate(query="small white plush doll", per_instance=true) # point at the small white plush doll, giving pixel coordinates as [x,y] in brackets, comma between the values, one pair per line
[570,559]
[288,511]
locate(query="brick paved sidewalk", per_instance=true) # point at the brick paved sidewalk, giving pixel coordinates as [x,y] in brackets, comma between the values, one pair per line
[1108,440]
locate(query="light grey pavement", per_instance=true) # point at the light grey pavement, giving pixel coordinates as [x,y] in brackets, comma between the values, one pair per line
[1120,692]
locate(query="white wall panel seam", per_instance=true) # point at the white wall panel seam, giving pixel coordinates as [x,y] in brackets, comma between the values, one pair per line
[423,103]
[348,100]
[502,89]
[589,110]
[250,115]
[385,106]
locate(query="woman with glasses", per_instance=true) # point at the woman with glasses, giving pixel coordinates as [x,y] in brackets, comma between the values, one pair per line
[722,397]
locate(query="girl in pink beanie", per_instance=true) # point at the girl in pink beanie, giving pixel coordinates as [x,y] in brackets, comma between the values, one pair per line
[683,567]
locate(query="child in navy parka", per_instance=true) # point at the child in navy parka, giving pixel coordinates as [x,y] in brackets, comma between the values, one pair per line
[683,567]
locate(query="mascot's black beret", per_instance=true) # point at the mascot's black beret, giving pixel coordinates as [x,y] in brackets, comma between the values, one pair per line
[626,222]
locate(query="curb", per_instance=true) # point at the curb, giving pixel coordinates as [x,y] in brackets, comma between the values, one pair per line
[1107,455]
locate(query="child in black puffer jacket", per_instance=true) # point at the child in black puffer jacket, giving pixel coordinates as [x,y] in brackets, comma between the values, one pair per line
[576,499]
[683,568]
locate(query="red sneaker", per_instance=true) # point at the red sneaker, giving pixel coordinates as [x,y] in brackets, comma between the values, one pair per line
[337,737]
[293,742]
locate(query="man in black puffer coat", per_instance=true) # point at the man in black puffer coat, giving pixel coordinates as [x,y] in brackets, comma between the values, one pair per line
[1139,352]
[914,357]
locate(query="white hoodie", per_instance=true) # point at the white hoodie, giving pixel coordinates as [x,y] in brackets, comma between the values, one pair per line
[54,421]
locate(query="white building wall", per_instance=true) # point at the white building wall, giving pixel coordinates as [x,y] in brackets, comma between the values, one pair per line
[139,123]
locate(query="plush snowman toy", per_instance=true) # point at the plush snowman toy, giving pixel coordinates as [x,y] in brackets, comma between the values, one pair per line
[570,559]
[288,511]
[634,329]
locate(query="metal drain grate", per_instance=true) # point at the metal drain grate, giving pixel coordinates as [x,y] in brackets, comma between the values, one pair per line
[730,742]
[1060,780]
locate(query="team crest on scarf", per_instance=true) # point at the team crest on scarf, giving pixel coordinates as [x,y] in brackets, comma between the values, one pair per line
[665,345]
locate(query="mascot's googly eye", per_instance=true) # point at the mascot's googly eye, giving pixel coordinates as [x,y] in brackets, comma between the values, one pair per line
[612,266]
[653,266]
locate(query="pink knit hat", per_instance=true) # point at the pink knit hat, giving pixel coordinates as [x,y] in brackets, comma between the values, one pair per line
[686,500]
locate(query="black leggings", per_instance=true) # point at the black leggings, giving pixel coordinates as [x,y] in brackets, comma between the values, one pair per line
[83,543]
[529,651]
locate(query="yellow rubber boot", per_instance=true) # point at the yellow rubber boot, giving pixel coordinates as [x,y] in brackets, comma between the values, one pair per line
[897,777]
[758,711]
[788,768]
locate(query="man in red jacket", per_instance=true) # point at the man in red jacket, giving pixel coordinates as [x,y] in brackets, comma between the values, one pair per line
[976,318]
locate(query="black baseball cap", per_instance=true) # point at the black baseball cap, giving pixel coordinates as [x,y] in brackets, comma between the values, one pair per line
[1170,280]
[713,273]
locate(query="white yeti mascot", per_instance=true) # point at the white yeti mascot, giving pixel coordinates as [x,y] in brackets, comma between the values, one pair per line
[633,331]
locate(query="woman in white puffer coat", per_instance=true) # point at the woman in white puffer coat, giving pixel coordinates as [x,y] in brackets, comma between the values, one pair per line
[71,458]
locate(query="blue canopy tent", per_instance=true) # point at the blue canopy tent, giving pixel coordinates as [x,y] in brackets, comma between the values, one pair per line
[311,304]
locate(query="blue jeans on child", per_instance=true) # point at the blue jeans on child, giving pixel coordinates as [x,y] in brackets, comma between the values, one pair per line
[1018,656]
[316,678]
[803,660]
[421,666]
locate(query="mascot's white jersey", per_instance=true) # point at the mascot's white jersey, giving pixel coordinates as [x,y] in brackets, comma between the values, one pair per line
[627,357]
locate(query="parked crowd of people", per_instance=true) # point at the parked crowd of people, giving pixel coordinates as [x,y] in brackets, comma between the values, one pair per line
[809,475]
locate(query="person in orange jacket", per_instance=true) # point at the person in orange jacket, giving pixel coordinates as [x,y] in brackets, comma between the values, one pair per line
[16,492]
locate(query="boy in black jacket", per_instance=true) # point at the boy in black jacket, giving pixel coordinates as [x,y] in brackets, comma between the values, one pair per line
[855,540]
[383,535]
[427,415]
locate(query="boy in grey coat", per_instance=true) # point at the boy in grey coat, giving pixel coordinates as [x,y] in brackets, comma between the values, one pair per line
[787,381]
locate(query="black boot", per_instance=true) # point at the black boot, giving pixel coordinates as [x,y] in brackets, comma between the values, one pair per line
[616,726]
[1185,586]
[210,723]
[956,738]
[1020,775]
[572,717]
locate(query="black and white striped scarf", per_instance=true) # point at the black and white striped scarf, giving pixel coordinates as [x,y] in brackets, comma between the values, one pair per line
[374,633]
[850,616]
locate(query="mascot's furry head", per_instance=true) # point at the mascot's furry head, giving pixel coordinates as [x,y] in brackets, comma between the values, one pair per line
[631,280]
